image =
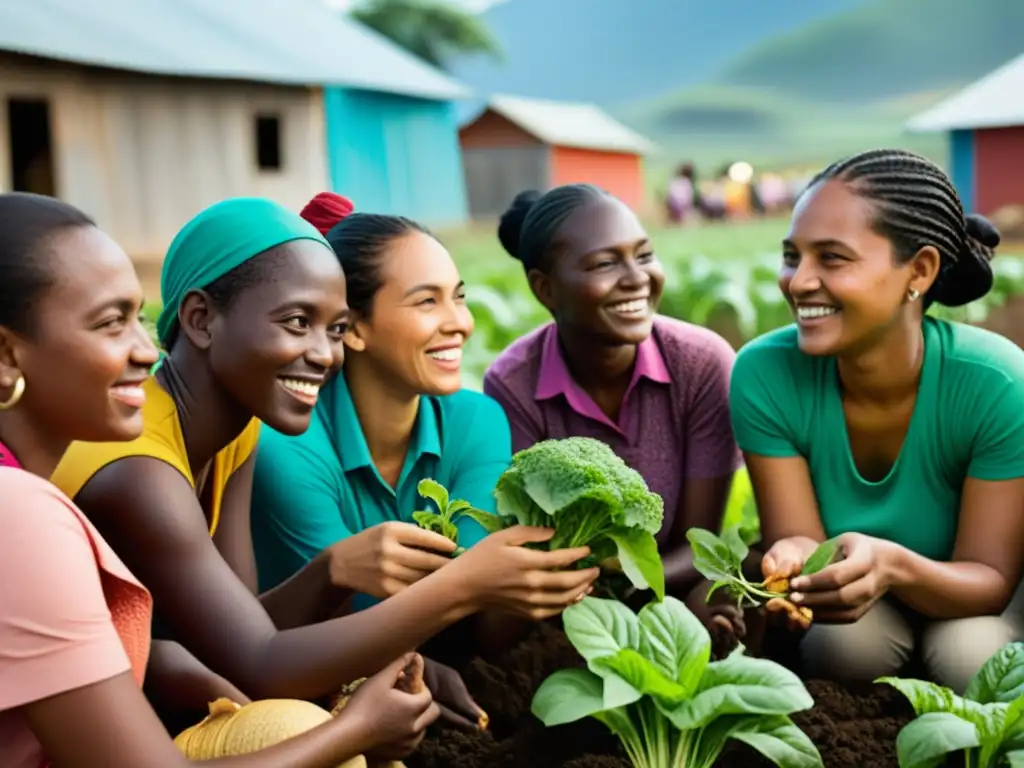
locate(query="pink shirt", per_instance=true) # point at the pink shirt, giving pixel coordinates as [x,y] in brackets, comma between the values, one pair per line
[674,420]
[70,612]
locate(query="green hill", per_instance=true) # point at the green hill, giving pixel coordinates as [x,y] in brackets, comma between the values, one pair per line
[835,85]
[885,48]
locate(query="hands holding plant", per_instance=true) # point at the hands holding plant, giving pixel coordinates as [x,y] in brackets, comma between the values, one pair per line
[857,573]
[386,558]
[503,573]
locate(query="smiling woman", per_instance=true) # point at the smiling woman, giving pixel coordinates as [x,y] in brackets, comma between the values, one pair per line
[347,489]
[899,433]
[609,367]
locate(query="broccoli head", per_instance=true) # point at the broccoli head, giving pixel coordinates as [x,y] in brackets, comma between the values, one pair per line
[582,489]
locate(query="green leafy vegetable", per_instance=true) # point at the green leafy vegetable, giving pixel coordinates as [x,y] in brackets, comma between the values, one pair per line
[650,680]
[720,560]
[986,725]
[448,510]
[579,487]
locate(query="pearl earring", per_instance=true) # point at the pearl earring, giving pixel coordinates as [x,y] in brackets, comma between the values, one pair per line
[913,294]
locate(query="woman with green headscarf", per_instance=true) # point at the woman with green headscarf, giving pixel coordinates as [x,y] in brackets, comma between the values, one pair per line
[254,313]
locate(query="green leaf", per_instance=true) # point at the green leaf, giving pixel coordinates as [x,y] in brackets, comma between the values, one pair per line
[567,696]
[778,739]
[827,553]
[1001,678]
[675,641]
[1015,759]
[923,696]
[925,741]
[644,676]
[597,627]
[490,523]
[433,522]
[741,685]
[734,541]
[433,490]
[712,556]
[640,561]
[456,507]
[514,502]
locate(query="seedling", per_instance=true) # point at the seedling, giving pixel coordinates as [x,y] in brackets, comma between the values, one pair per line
[720,560]
[448,510]
[985,725]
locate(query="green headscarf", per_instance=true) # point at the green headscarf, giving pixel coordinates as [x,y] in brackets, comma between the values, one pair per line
[218,239]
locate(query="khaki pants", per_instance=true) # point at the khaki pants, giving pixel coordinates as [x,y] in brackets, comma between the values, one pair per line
[887,637]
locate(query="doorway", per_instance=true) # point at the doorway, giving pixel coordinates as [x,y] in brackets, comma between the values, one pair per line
[31,150]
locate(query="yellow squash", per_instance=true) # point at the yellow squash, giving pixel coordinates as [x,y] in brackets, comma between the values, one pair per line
[231,729]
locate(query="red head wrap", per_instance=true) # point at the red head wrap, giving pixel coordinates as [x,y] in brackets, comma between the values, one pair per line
[327,209]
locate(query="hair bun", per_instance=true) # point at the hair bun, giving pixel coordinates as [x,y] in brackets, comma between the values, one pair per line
[327,209]
[510,226]
[984,231]
[969,277]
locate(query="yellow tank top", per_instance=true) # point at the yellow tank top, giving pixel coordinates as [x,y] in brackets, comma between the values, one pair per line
[161,439]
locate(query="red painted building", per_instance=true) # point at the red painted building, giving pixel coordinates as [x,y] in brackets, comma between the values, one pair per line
[985,123]
[515,144]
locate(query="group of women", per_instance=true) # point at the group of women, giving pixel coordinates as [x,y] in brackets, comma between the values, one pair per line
[232,517]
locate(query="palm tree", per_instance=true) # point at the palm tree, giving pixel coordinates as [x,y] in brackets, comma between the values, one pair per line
[433,30]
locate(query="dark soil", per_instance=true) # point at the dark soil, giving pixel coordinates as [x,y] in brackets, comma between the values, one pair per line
[851,728]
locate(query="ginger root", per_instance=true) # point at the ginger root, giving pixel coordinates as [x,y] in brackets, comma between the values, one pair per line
[799,614]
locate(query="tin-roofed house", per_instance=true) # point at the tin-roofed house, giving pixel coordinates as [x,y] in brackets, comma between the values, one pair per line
[985,124]
[142,112]
[513,144]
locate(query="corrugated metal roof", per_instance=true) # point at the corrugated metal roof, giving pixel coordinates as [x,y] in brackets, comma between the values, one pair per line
[290,42]
[994,101]
[566,124]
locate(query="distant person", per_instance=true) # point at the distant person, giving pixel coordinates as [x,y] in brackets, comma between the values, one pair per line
[682,199]
[899,433]
[609,367]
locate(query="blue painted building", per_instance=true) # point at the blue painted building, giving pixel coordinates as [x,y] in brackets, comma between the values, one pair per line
[985,125]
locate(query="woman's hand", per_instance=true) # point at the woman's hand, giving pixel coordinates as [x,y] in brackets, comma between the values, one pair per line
[177,681]
[452,697]
[844,591]
[385,559]
[501,573]
[392,714]
[786,557]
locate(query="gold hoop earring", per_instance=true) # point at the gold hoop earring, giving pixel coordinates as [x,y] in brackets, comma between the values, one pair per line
[19,390]
[913,294]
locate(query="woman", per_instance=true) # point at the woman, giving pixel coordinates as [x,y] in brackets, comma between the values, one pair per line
[899,433]
[253,319]
[74,622]
[395,416]
[609,367]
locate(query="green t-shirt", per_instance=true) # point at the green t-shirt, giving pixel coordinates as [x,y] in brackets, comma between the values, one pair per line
[315,489]
[968,421]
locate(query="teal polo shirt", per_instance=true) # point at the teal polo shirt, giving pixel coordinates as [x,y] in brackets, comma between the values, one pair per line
[315,489]
[968,421]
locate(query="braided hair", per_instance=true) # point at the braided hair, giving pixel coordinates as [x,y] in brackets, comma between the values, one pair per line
[529,228]
[916,206]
